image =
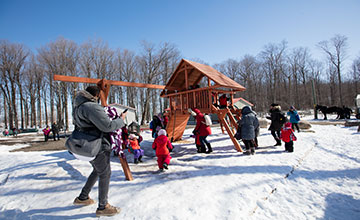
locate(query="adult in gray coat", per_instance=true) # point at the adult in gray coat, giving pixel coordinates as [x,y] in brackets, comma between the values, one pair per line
[249,124]
[90,116]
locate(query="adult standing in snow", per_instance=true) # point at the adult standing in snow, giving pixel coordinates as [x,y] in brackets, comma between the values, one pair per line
[90,116]
[277,120]
[248,124]
[201,129]
[55,130]
[294,118]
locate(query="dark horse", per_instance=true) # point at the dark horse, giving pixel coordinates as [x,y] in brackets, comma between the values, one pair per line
[333,109]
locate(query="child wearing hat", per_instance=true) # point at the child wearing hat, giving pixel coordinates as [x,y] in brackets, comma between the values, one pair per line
[162,147]
[294,118]
[135,148]
[288,136]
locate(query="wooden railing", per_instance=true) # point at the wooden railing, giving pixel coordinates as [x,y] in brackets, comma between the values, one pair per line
[200,99]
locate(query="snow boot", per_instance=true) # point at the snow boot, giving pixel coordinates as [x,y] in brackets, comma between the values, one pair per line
[136,161]
[252,151]
[109,210]
[165,165]
[209,148]
[203,149]
[247,152]
[85,202]
[278,142]
[198,147]
[140,159]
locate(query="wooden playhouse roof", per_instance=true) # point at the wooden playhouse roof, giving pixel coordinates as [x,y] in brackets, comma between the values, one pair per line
[195,72]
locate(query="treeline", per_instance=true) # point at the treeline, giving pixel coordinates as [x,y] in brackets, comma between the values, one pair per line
[289,76]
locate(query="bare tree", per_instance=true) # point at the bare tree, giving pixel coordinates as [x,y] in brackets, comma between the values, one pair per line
[299,67]
[59,57]
[336,54]
[150,62]
[273,59]
[356,74]
[128,70]
[12,59]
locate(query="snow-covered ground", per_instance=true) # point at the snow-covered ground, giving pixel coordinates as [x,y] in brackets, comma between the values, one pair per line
[320,180]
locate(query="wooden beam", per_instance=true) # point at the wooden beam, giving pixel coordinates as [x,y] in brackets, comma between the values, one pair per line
[188,91]
[104,91]
[186,79]
[111,82]
[221,116]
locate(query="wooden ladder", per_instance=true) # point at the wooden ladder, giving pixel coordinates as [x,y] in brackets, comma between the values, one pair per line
[222,113]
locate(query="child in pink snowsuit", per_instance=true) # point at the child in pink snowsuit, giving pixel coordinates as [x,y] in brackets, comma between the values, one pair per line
[163,147]
[46,132]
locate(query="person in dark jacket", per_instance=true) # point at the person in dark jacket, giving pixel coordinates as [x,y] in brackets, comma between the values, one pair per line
[55,130]
[248,123]
[277,121]
[155,125]
[90,116]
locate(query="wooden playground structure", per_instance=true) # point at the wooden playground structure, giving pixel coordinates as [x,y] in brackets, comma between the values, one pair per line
[183,93]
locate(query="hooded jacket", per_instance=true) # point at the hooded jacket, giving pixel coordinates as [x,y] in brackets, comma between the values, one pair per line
[292,115]
[287,133]
[88,115]
[249,123]
[201,126]
[162,145]
[277,119]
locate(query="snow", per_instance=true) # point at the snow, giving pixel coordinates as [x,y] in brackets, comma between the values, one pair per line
[320,180]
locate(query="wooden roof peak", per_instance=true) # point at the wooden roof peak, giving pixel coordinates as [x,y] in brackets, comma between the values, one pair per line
[195,72]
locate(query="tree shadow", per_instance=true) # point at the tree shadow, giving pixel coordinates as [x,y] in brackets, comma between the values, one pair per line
[43,214]
[341,206]
[339,154]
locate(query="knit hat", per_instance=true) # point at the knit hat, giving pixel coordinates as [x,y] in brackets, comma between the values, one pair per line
[292,107]
[162,132]
[287,125]
[197,111]
[132,136]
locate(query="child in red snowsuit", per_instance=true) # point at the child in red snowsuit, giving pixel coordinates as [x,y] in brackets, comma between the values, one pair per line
[163,147]
[288,136]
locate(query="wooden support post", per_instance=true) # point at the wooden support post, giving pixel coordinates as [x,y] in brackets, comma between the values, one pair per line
[126,168]
[222,126]
[221,117]
[104,93]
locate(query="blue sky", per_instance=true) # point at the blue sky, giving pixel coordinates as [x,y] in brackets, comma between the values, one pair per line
[212,30]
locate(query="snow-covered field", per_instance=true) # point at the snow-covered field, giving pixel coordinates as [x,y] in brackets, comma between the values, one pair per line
[320,180]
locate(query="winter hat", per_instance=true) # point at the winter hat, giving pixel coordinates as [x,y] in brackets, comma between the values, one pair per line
[292,107]
[132,136]
[197,111]
[287,125]
[274,104]
[162,132]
